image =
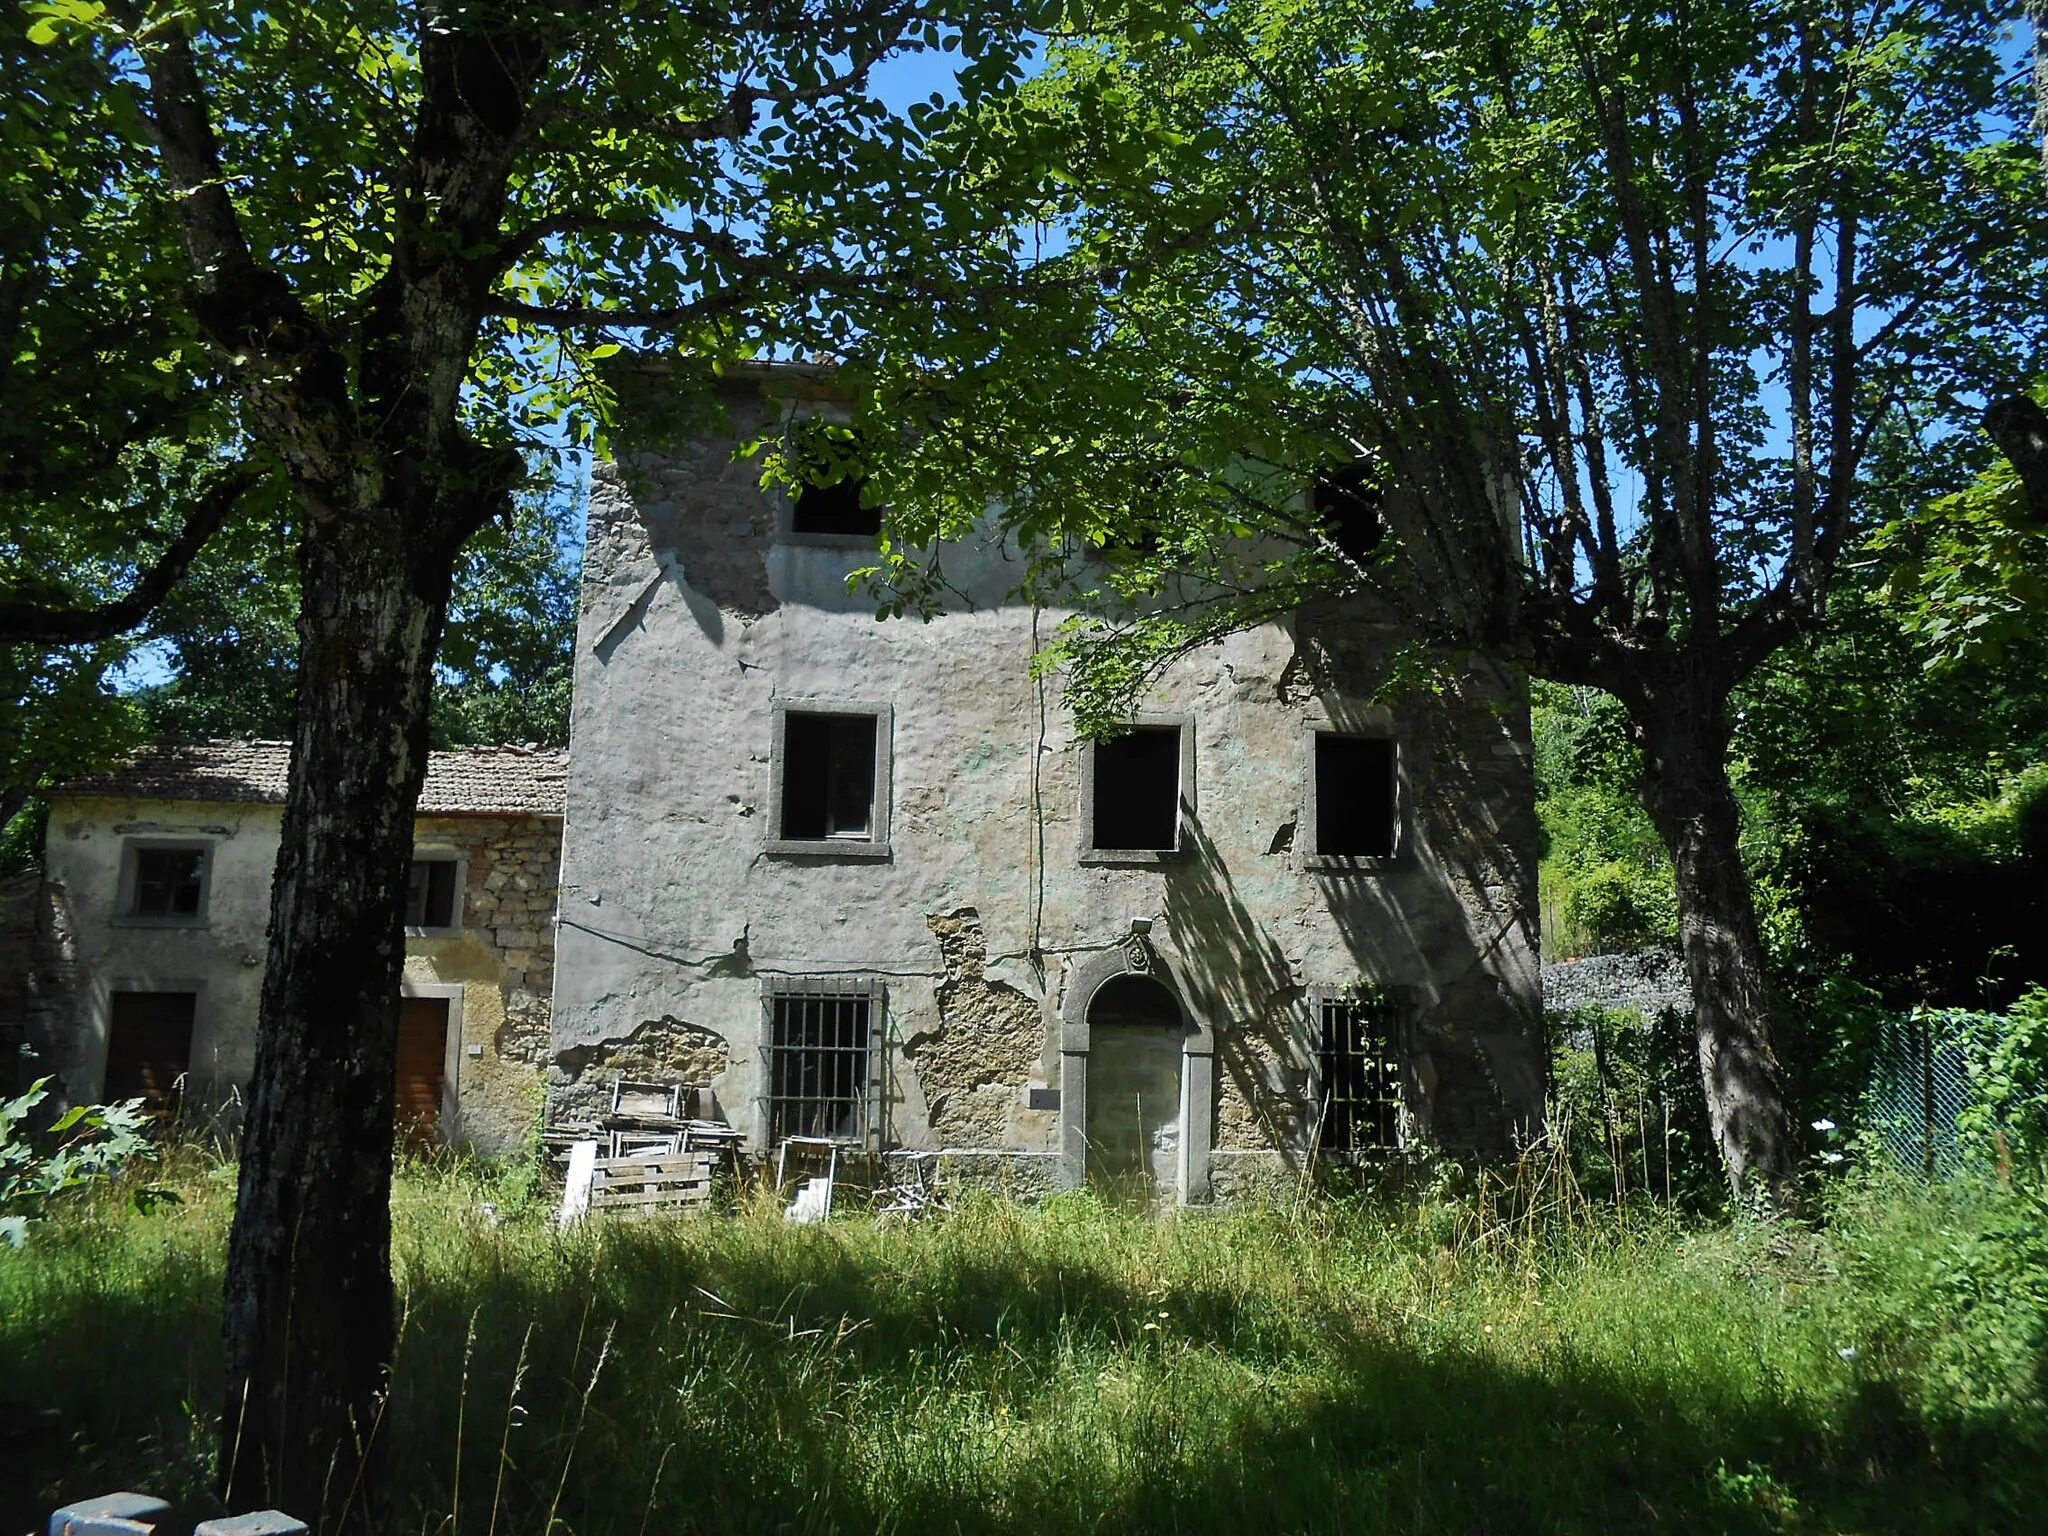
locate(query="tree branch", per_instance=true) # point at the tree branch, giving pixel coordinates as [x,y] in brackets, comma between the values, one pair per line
[24,622]
[2020,428]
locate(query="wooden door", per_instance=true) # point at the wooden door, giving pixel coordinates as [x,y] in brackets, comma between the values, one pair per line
[422,1050]
[149,1046]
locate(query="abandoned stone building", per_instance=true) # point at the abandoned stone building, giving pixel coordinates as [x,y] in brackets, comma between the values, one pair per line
[863,880]
[146,955]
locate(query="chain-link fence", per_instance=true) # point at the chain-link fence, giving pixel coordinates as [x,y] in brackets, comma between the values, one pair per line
[1920,1083]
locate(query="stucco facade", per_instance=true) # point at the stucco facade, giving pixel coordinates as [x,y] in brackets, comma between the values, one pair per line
[492,815]
[973,909]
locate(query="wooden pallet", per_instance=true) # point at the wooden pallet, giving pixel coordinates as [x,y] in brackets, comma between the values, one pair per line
[648,1186]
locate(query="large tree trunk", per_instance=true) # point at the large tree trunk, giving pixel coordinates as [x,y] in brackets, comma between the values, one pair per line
[1686,791]
[309,1303]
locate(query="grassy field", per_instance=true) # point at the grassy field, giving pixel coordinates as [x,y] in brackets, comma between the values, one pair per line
[1426,1365]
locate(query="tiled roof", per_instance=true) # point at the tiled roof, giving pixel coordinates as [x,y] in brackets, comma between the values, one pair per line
[473,780]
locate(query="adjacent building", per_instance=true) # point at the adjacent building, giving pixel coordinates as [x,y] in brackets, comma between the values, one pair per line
[148,934]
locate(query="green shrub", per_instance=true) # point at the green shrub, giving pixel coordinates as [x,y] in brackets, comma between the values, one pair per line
[1616,907]
[88,1145]
[2008,1057]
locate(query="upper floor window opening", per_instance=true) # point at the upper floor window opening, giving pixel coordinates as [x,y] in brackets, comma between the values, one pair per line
[830,767]
[1356,793]
[1136,782]
[832,497]
[433,892]
[165,884]
[1351,505]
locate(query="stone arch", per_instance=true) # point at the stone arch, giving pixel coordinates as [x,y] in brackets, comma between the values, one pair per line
[1136,955]
[1087,979]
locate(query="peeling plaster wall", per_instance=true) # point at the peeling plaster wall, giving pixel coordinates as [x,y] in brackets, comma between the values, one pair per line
[503,960]
[700,613]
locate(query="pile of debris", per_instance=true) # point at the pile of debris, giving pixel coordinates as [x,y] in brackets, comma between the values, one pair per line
[644,1156]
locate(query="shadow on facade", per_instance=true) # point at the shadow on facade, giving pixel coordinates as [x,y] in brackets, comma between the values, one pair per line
[1246,989]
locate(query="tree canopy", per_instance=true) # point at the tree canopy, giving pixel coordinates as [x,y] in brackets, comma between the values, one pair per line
[1622,320]
[407,231]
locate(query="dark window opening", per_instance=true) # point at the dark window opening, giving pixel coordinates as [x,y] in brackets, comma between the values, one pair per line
[828,777]
[169,881]
[1350,505]
[149,1047]
[833,481]
[1356,800]
[835,508]
[1137,790]
[821,1077]
[1361,1075]
[430,894]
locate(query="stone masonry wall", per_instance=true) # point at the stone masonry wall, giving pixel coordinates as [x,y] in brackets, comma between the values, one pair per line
[704,611]
[504,961]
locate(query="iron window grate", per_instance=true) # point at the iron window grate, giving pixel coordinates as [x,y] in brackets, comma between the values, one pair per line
[824,1058]
[1361,1076]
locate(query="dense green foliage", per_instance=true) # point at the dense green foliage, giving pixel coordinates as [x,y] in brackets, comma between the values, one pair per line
[1605,880]
[1441,1364]
[228,637]
[1895,817]
[1969,571]
[1570,246]
[111,417]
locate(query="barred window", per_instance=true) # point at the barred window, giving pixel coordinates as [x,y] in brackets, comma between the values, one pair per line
[1361,1076]
[824,1061]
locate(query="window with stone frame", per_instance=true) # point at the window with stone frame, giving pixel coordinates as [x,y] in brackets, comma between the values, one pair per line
[830,500]
[433,892]
[1357,799]
[1135,782]
[824,1060]
[829,792]
[167,884]
[1359,1072]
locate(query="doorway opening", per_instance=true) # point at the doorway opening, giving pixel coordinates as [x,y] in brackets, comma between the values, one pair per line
[422,1058]
[1135,1038]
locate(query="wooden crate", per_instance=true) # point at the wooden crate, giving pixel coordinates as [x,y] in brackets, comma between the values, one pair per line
[647,1186]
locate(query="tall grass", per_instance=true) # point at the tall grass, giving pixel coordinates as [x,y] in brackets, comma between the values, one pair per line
[1450,1361]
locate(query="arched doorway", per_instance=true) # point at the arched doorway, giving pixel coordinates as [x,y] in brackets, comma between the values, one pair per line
[1136,1035]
